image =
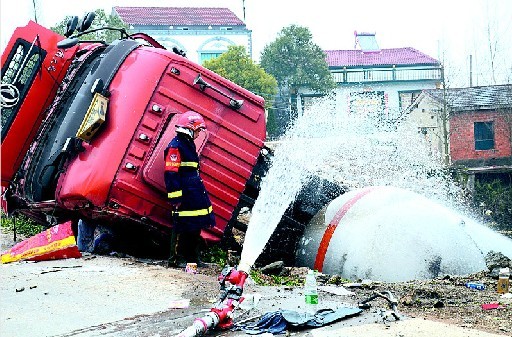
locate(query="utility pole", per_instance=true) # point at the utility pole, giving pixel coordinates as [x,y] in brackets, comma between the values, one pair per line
[35,11]
[243,8]
[470,70]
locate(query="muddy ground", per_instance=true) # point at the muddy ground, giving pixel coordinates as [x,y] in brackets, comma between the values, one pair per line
[112,296]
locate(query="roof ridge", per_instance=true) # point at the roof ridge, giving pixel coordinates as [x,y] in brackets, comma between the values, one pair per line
[188,16]
[359,50]
[188,7]
[386,56]
[467,98]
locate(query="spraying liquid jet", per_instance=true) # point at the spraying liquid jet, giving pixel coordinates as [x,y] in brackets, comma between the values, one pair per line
[355,150]
[231,282]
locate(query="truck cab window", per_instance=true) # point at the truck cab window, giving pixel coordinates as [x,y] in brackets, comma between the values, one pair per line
[17,76]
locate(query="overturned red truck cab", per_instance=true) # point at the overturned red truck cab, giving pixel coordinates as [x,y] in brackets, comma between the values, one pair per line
[84,126]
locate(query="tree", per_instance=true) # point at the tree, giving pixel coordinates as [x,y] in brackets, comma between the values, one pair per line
[297,62]
[237,66]
[101,20]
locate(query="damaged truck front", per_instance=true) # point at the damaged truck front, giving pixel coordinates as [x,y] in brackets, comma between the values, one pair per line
[85,123]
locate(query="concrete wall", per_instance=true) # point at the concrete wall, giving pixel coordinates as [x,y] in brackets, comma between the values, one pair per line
[427,117]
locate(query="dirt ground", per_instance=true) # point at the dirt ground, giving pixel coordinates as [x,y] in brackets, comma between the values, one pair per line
[448,300]
[445,299]
[133,297]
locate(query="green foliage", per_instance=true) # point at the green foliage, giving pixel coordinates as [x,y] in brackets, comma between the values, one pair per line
[236,65]
[272,125]
[337,280]
[496,197]
[215,254]
[256,276]
[24,226]
[101,20]
[297,62]
[275,280]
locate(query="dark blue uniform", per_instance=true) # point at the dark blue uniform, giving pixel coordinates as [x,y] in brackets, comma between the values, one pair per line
[184,186]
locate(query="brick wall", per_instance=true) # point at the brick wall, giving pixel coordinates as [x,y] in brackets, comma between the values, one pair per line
[462,139]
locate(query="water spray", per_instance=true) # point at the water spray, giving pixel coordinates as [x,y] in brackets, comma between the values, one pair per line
[231,282]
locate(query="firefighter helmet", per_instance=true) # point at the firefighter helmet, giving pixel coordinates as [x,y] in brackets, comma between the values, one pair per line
[191,120]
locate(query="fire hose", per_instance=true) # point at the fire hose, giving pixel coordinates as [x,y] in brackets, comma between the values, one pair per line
[220,316]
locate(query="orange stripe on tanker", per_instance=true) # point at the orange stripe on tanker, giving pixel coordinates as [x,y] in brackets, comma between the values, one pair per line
[331,228]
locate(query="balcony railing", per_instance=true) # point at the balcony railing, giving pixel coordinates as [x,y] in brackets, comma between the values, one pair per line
[387,75]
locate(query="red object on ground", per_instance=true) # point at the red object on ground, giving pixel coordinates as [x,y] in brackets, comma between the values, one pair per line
[57,242]
[3,202]
[235,280]
[489,306]
[221,315]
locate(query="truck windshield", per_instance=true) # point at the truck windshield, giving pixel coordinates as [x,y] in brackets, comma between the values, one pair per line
[18,73]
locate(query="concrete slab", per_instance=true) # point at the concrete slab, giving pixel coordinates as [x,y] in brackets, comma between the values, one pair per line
[51,298]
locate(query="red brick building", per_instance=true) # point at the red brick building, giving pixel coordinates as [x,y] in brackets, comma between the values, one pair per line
[480,138]
[477,123]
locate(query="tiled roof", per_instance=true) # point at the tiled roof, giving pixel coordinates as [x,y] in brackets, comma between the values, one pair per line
[394,56]
[179,16]
[474,98]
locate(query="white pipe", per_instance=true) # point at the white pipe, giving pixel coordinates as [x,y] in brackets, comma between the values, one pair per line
[200,325]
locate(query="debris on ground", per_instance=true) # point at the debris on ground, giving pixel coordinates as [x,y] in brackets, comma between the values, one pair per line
[179,304]
[277,322]
[57,242]
[445,298]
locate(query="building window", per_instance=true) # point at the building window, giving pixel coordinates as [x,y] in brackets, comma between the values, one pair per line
[406,98]
[484,135]
[208,56]
[367,103]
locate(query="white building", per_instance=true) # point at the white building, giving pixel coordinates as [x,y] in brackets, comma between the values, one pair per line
[383,81]
[201,32]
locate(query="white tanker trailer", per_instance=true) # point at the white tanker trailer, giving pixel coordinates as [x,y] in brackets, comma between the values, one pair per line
[392,234]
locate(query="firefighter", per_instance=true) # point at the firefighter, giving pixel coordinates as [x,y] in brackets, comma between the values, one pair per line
[191,208]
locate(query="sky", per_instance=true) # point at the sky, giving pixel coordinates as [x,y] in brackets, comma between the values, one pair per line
[448,30]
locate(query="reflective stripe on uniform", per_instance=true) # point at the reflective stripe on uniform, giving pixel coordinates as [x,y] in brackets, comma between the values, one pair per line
[189,163]
[175,194]
[199,212]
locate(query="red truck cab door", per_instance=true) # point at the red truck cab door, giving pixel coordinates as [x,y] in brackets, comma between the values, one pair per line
[32,69]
